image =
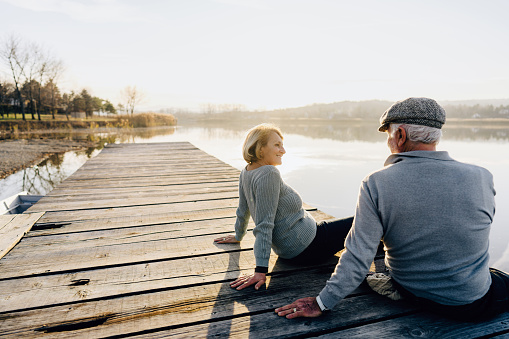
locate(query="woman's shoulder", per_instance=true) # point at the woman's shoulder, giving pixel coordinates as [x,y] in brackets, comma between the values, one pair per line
[268,173]
[260,170]
[269,169]
[263,172]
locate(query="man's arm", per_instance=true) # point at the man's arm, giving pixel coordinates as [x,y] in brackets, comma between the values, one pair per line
[361,245]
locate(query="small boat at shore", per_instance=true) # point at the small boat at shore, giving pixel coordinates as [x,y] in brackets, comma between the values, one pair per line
[18,203]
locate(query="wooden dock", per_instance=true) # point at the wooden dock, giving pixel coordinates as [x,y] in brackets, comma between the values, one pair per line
[125,249]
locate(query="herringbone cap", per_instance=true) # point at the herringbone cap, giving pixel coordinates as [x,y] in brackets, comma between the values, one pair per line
[416,111]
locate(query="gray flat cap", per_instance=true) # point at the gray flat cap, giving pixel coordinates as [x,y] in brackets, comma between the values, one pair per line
[416,111]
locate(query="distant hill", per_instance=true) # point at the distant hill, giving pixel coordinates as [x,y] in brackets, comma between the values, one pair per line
[483,102]
[363,110]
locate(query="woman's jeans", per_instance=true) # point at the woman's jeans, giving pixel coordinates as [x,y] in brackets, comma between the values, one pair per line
[329,239]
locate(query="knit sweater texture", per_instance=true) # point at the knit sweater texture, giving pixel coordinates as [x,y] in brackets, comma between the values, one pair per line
[280,221]
[434,215]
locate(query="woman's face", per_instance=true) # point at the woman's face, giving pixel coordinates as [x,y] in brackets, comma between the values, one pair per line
[272,152]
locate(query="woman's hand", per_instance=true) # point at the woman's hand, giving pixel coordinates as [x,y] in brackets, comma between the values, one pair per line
[305,307]
[229,239]
[248,280]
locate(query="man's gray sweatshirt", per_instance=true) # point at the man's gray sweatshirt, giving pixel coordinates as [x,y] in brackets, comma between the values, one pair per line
[434,216]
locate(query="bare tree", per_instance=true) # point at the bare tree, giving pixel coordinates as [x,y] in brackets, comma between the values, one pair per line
[209,108]
[42,63]
[120,107]
[131,97]
[35,58]
[42,68]
[55,68]
[16,58]
[68,103]
[32,68]
[6,90]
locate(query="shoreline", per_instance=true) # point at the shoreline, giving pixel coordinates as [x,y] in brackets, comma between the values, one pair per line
[20,154]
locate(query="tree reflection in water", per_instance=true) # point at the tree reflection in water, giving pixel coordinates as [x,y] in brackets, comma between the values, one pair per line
[42,178]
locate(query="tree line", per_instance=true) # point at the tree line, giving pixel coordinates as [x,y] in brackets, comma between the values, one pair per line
[33,87]
[373,109]
[345,110]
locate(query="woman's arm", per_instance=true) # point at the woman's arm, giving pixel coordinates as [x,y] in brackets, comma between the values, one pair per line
[229,239]
[267,189]
[243,214]
[248,280]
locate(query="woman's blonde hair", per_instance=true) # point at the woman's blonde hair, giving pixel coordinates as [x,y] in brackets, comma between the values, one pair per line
[256,138]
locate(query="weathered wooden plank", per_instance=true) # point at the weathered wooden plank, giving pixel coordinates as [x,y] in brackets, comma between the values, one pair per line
[418,325]
[131,148]
[106,193]
[187,306]
[14,228]
[156,219]
[52,225]
[150,159]
[150,162]
[128,235]
[154,160]
[5,220]
[114,212]
[137,173]
[193,164]
[350,312]
[140,173]
[136,211]
[136,154]
[82,257]
[426,325]
[162,180]
[58,289]
[75,205]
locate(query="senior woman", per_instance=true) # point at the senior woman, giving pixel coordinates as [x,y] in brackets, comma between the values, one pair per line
[281,223]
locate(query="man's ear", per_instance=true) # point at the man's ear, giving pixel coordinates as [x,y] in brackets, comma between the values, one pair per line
[401,136]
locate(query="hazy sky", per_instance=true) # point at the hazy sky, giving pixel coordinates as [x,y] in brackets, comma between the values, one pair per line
[271,53]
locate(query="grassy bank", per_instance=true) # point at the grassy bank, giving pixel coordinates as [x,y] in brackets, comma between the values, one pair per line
[151,120]
[17,124]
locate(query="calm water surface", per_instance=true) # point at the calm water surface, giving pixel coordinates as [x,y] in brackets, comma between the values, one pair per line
[324,164]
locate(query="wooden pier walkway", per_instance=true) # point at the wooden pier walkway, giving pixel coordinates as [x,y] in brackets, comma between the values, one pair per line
[125,248]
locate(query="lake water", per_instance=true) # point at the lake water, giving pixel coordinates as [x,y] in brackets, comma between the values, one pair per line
[324,163]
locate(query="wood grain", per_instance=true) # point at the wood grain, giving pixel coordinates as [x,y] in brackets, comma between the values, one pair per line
[13,228]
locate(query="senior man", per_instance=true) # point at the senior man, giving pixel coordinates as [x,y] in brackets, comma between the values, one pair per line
[433,215]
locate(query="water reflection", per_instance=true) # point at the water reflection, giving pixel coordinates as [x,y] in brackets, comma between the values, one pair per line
[100,135]
[42,178]
[361,130]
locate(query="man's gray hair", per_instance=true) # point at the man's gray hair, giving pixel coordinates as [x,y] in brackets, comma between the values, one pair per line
[419,133]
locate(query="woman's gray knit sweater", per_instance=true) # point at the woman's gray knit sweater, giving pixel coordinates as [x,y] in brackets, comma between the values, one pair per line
[276,209]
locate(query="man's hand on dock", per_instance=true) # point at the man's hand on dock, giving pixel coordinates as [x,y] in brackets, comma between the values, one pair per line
[305,307]
[229,239]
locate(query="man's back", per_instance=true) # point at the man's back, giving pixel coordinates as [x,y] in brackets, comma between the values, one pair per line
[436,215]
